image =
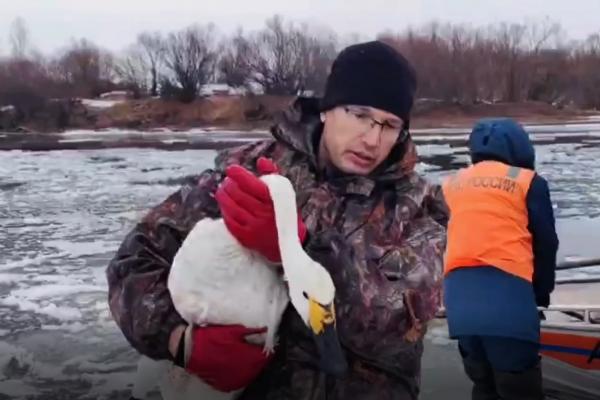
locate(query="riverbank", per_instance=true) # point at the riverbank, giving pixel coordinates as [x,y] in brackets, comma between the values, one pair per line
[584,133]
[251,113]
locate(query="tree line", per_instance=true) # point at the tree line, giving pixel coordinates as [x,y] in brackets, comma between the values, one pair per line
[504,62]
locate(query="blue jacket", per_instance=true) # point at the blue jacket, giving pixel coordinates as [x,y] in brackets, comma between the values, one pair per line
[485,300]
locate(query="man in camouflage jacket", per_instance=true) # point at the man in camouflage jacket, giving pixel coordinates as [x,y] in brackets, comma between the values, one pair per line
[372,221]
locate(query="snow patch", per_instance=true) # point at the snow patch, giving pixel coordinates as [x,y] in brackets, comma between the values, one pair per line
[173,141]
[94,103]
[121,94]
[444,131]
[215,132]
[77,140]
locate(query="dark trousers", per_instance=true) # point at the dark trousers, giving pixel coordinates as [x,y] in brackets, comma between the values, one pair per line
[502,368]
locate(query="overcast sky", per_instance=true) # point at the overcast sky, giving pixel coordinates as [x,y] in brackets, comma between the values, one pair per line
[113,24]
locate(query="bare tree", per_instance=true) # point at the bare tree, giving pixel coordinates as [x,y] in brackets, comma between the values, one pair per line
[428,52]
[276,56]
[133,70]
[460,45]
[281,58]
[81,62]
[509,53]
[190,57]
[141,66]
[540,34]
[457,63]
[86,68]
[316,55]
[487,69]
[19,38]
[585,64]
[541,78]
[592,44]
[234,65]
[153,50]
[551,75]
[454,63]
[273,59]
[26,85]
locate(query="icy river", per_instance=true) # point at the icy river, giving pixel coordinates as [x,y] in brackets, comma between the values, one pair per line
[64,212]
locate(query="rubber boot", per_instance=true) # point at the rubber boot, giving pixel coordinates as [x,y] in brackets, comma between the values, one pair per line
[482,376]
[526,385]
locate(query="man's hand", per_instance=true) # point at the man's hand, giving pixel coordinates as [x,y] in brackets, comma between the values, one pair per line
[542,300]
[247,210]
[221,357]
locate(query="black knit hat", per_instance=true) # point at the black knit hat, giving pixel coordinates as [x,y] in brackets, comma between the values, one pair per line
[371,74]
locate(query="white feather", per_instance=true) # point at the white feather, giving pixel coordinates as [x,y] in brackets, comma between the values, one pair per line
[214,280]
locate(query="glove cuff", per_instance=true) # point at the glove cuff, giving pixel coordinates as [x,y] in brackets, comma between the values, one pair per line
[184,349]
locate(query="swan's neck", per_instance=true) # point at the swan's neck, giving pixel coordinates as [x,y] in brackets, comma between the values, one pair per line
[286,220]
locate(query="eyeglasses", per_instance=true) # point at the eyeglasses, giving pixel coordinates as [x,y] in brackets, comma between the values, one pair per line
[389,130]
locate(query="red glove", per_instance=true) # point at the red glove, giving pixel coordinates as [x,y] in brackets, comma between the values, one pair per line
[247,210]
[221,357]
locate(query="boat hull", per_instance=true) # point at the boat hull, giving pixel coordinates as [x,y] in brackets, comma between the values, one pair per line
[571,355]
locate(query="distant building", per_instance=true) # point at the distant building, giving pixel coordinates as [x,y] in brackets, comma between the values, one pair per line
[117,95]
[222,89]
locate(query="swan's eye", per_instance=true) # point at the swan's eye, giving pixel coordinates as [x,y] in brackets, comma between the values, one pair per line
[305,295]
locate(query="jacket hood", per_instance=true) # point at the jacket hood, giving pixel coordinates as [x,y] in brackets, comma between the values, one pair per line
[300,127]
[501,139]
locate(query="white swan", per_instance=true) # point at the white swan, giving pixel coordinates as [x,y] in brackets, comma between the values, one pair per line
[214,280]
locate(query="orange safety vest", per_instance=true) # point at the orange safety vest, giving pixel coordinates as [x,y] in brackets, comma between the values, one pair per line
[488,218]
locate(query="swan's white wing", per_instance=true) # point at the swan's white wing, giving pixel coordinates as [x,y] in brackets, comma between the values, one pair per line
[214,280]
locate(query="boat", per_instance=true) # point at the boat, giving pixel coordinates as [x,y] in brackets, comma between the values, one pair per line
[570,339]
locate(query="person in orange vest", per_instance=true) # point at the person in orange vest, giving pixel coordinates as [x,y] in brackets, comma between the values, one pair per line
[500,262]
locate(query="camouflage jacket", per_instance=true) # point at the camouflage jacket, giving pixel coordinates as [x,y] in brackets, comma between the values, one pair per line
[382,239]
